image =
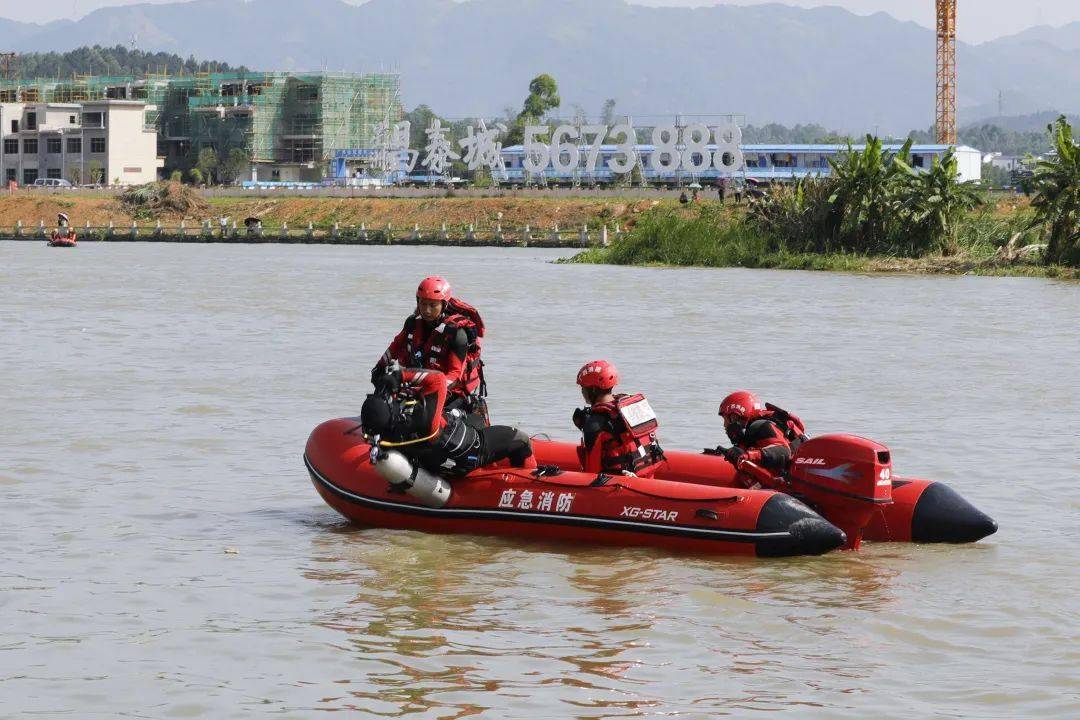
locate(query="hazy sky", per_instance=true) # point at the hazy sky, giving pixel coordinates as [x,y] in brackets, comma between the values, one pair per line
[980,20]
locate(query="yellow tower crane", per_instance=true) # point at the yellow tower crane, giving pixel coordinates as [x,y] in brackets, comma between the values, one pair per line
[946,72]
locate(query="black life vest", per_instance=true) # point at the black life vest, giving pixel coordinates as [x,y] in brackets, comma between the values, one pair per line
[790,425]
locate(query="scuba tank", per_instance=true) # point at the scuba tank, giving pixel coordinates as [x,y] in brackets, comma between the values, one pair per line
[396,469]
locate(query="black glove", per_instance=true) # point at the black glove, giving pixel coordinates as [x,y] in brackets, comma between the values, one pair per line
[387,384]
[734,454]
[377,372]
[579,418]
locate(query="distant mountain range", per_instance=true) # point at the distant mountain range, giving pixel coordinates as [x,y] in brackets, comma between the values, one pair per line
[770,62]
[1036,122]
[1066,37]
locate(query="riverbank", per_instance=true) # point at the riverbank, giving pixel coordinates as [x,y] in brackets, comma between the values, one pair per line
[962,264]
[100,209]
[992,241]
[613,230]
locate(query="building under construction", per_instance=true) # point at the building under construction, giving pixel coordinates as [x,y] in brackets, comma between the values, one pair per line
[289,125]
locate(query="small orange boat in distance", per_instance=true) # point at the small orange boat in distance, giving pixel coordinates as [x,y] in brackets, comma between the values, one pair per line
[57,240]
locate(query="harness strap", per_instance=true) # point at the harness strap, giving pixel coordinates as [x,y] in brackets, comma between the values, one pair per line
[387,443]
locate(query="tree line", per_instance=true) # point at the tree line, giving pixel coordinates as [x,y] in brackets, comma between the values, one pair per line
[118,60]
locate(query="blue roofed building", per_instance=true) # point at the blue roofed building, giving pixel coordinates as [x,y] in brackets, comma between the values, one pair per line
[761,162]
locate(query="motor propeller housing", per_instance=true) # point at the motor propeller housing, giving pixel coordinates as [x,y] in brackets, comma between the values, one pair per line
[850,474]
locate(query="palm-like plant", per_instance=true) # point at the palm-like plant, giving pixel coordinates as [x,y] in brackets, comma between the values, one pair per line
[863,196]
[933,202]
[1057,196]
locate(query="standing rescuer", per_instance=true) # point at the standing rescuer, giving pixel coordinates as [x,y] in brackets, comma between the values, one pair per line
[759,432]
[443,334]
[618,431]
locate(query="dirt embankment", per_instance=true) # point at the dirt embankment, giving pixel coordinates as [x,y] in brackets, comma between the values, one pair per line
[428,213]
[434,212]
[31,208]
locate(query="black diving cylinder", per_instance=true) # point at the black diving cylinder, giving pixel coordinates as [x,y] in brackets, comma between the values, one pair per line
[396,469]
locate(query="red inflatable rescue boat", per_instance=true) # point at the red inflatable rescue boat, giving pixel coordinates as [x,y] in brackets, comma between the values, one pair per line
[568,506]
[847,479]
[840,490]
[58,240]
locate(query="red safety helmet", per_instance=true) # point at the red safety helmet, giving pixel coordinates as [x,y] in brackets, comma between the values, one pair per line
[598,374]
[741,405]
[433,288]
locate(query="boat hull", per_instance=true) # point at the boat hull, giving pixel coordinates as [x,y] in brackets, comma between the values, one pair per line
[571,507]
[921,511]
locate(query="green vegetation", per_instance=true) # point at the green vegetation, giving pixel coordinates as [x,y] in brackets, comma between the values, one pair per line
[207,164]
[876,212]
[543,96]
[97,172]
[233,164]
[712,236]
[989,137]
[872,204]
[1057,196]
[996,177]
[117,60]
[777,134]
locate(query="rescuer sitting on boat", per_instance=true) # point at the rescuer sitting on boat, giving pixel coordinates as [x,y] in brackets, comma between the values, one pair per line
[408,413]
[759,432]
[443,334]
[618,431]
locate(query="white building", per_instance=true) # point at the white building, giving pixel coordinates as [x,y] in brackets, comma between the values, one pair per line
[99,141]
[1004,162]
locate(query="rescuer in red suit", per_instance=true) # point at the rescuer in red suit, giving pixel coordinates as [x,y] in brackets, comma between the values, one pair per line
[408,412]
[760,433]
[618,431]
[442,334]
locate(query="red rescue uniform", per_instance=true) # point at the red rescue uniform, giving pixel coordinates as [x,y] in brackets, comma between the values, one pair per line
[440,346]
[451,345]
[619,437]
[772,439]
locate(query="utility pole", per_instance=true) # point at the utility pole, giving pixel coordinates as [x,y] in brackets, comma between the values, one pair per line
[946,72]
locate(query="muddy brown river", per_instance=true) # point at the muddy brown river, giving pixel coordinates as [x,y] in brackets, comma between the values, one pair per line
[164,554]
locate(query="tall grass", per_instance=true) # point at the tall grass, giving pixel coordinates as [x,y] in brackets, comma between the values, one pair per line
[712,237]
[701,237]
[982,232]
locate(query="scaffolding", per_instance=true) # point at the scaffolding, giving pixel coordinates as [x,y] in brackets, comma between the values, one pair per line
[273,117]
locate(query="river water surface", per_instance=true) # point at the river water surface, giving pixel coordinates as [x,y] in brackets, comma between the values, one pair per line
[165,555]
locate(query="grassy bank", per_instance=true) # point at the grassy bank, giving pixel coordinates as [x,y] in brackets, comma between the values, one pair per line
[709,236]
